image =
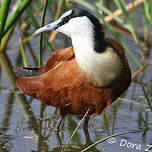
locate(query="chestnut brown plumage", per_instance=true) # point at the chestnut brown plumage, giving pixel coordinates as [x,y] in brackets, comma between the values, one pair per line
[59,82]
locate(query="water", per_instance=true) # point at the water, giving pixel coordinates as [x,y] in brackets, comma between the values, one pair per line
[30,130]
[27,125]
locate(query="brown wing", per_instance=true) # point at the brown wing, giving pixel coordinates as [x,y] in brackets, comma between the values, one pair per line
[57,56]
[63,75]
[60,71]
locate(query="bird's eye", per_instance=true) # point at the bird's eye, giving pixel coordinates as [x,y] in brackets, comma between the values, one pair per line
[65,20]
[61,23]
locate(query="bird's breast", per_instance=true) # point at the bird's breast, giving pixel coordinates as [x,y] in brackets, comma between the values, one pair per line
[100,69]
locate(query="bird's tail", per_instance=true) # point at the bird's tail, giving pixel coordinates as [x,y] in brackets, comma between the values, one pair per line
[26,71]
[28,81]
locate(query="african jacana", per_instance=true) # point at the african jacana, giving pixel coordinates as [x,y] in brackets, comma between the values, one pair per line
[91,74]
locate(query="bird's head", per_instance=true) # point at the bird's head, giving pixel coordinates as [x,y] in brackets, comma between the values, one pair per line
[75,22]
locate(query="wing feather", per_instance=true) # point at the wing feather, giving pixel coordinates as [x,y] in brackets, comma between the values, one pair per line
[63,75]
[58,72]
[57,57]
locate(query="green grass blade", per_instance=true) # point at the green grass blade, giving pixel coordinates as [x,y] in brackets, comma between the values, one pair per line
[134,16]
[50,2]
[34,21]
[40,45]
[121,6]
[23,53]
[117,36]
[145,23]
[148,11]
[102,140]
[146,96]
[48,43]
[145,123]
[16,14]
[6,38]
[36,25]
[38,3]
[107,11]
[4,9]
[66,146]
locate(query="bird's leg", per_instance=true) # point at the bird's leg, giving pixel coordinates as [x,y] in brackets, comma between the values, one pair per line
[62,114]
[89,115]
[57,126]
[58,138]
[86,120]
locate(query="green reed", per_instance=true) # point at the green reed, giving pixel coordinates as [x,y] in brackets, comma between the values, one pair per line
[121,5]
[20,6]
[147,7]
[22,50]
[35,24]
[5,5]
[7,23]
[40,44]
[147,98]
[74,132]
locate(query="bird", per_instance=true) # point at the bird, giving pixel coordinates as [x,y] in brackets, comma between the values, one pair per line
[87,76]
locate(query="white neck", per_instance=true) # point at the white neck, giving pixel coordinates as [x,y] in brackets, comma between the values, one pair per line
[100,69]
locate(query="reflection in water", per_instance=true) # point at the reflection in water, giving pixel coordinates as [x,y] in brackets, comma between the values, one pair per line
[5,123]
[38,125]
[43,146]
